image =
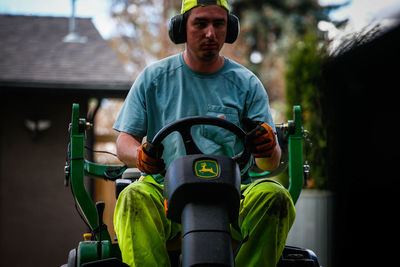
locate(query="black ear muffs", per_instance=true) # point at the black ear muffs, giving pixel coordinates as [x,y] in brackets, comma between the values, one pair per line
[177,29]
[233,30]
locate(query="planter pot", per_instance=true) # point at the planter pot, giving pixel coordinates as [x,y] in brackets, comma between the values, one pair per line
[312,228]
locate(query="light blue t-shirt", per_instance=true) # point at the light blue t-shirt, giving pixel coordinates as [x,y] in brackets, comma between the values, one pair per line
[169,90]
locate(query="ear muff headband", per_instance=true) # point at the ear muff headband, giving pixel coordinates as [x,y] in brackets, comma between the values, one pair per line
[189,4]
[177,29]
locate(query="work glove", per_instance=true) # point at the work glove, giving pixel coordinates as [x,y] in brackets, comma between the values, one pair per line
[260,137]
[149,158]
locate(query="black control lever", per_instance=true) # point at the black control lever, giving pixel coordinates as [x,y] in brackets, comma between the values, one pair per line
[100,210]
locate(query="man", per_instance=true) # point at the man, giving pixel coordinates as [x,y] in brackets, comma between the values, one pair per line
[198,81]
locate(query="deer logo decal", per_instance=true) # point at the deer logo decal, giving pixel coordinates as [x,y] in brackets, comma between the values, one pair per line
[206,168]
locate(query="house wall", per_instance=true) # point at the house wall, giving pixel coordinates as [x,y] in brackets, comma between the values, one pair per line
[38,221]
[105,141]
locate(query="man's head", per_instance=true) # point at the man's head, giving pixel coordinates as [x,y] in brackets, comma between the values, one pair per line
[177,25]
[206,31]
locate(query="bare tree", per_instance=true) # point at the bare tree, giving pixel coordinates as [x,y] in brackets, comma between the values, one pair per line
[143,31]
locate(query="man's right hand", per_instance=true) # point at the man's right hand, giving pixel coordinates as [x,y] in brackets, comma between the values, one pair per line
[149,159]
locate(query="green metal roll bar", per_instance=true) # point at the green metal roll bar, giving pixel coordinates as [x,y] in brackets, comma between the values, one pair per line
[77,167]
[295,152]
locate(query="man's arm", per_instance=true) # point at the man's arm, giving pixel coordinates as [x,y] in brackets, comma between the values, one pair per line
[271,163]
[127,148]
[263,144]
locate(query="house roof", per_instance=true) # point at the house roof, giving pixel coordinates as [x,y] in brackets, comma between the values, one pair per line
[34,55]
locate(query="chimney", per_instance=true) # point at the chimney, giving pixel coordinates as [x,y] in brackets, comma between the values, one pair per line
[73,36]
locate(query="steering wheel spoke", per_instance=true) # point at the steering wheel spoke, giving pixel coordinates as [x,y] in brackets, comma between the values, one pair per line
[190,145]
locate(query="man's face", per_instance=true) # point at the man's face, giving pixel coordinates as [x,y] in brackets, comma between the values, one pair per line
[206,31]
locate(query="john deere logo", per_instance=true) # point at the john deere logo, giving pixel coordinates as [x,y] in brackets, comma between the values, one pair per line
[206,168]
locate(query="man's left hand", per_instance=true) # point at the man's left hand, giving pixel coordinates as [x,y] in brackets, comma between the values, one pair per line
[260,137]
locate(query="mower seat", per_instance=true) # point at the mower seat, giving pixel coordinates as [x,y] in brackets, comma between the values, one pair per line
[129,176]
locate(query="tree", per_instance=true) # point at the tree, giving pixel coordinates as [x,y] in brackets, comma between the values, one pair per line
[142,31]
[269,28]
[303,87]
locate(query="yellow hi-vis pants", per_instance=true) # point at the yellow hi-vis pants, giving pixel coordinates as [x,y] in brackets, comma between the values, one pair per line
[265,217]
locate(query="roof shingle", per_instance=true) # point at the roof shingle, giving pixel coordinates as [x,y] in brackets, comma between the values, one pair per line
[33,53]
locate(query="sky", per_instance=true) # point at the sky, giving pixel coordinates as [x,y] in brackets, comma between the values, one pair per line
[363,12]
[360,12]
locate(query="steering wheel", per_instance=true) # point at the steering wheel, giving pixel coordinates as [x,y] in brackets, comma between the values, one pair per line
[183,127]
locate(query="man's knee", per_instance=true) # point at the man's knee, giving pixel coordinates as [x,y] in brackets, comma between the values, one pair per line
[142,190]
[139,197]
[275,198]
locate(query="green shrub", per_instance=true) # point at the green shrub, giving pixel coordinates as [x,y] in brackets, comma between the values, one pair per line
[302,77]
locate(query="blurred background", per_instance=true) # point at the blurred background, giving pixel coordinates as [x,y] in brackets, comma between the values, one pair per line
[335,58]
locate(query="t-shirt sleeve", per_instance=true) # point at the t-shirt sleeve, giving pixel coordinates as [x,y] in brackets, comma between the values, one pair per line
[258,103]
[132,118]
